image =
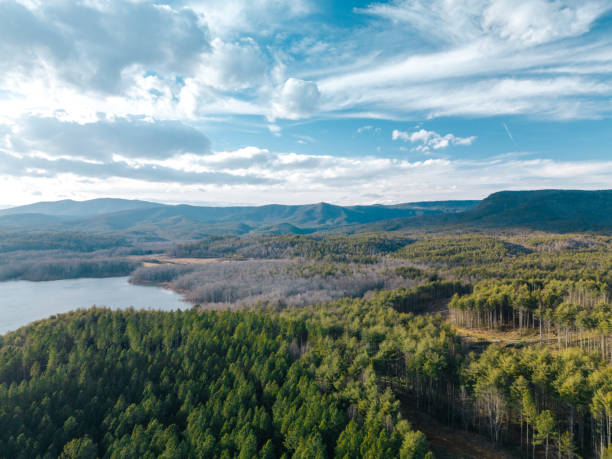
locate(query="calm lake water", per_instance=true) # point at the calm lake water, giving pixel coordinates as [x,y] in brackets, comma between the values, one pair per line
[22,302]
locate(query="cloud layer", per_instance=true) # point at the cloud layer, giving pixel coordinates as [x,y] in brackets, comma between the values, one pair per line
[163,96]
[188,59]
[255,176]
[101,140]
[94,45]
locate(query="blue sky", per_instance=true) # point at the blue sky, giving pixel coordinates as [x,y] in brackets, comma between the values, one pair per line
[261,101]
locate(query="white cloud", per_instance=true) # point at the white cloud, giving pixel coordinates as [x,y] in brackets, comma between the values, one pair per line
[400,135]
[540,21]
[112,88]
[431,139]
[90,45]
[201,58]
[296,99]
[101,140]
[527,21]
[229,18]
[474,47]
[78,59]
[275,129]
[367,128]
[558,97]
[254,176]
[234,66]
[137,58]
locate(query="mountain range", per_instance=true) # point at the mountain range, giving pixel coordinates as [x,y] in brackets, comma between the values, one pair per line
[554,210]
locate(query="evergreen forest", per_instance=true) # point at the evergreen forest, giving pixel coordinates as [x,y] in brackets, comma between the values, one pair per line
[503,341]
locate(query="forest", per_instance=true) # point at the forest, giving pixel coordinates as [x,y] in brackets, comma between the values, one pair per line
[329,346]
[190,384]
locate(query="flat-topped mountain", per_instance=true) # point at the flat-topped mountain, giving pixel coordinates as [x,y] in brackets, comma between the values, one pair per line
[554,210]
[547,210]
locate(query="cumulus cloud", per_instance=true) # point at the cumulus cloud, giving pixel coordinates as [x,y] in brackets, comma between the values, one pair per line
[234,66]
[127,59]
[540,21]
[91,44]
[275,129]
[233,17]
[431,139]
[296,99]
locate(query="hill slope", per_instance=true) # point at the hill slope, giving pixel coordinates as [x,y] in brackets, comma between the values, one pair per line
[192,384]
[557,210]
[546,210]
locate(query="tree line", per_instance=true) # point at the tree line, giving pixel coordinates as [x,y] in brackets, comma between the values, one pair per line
[47,269]
[575,312]
[364,248]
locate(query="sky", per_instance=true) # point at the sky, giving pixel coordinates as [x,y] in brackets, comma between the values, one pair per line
[302,101]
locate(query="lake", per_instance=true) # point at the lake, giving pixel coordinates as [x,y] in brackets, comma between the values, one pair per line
[22,302]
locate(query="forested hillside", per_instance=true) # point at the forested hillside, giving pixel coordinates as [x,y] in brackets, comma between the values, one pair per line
[338,346]
[188,384]
[552,210]
[42,256]
[320,381]
[547,210]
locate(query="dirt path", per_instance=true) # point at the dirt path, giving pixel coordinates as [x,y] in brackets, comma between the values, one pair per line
[447,443]
[149,261]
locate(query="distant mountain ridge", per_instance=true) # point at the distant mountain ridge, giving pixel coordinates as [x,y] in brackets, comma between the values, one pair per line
[186,221]
[68,207]
[549,210]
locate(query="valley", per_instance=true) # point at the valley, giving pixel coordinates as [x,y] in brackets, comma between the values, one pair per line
[473,342]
